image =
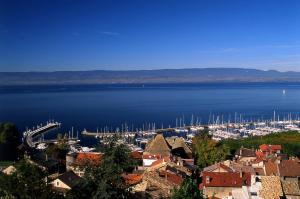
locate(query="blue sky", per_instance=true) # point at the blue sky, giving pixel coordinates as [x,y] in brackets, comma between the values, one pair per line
[148,34]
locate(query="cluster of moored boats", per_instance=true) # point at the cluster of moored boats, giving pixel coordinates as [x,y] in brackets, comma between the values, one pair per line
[218,130]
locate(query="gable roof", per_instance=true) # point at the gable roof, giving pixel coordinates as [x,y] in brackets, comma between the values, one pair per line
[271,148]
[70,179]
[242,168]
[290,187]
[179,148]
[283,168]
[289,168]
[158,146]
[171,177]
[245,152]
[217,166]
[223,179]
[271,187]
[271,168]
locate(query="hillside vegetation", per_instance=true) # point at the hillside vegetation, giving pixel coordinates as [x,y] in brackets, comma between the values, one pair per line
[290,142]
[165,76]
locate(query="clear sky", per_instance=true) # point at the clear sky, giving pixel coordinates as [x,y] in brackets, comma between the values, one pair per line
[50,35]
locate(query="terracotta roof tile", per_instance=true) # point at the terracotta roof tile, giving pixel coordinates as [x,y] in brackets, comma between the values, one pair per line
[289,168]
[176,179]
[259,154]
[88,158]
[151,156]
[271,187]
[137,155]
[271,168]
[223,179]
[290,187]
[132,179]
[270,148]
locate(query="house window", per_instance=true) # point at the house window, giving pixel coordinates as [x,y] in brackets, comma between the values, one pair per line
[57,183]
[207,180]
[253,193]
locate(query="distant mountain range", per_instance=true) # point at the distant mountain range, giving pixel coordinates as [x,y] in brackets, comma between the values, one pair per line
[191,75]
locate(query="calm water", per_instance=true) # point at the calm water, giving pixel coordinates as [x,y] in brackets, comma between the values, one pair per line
[98,106]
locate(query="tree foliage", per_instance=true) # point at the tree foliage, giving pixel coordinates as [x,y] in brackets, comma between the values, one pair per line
[58,151]
[208,151]
[9,140]
[105,181]
[28,181]
[188,190]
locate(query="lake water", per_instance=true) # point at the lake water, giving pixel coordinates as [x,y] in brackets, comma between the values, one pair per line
[98,106]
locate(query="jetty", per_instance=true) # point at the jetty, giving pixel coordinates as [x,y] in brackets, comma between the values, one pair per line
[30,134]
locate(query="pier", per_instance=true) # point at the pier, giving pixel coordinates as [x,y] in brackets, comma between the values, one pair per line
[29,135]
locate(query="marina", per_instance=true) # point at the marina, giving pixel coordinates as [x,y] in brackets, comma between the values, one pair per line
[218,129]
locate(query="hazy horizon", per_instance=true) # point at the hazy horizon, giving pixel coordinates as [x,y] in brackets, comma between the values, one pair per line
[149,69]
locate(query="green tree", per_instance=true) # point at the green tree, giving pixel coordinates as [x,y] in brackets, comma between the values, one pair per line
[9,140]
[105,181]
[28,181]
[58,151]
[188,190]
[208,151]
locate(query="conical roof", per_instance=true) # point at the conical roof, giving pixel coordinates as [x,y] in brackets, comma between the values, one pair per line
[181,149]
[158,146]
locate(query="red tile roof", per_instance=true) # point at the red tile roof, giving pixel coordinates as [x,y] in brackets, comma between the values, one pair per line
[284,168]
[223,179]
[176,179]
[271,168]
[151,156]
[289,168]
[259,154]
[88,158]
[132,179]
[154,156]
[270,148]
[137,155]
